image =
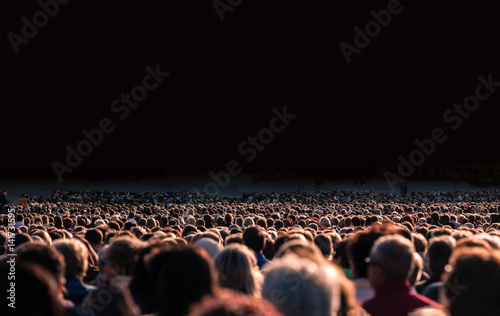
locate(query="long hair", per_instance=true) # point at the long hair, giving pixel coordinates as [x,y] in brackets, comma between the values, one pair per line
[237,267]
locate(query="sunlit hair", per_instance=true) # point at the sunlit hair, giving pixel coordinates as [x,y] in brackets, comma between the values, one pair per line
[418,267]
[472,286]
[121,253]
[298,286]
[248,222]
[231,303]
[237,267]
[300,248]
[75,256]
[394,254]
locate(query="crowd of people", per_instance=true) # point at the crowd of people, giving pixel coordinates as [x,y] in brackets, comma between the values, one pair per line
[292,254]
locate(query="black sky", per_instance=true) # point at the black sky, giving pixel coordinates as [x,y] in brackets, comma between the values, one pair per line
[226,77]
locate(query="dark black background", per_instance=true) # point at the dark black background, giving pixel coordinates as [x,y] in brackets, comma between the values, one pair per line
[226,77]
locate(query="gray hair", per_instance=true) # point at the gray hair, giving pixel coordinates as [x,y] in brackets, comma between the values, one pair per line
[394,254]
[300,287]
[324,221]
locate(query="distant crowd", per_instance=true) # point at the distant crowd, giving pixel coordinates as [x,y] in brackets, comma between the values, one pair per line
[293,254]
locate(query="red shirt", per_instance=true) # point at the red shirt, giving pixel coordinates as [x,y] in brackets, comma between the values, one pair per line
[395,298]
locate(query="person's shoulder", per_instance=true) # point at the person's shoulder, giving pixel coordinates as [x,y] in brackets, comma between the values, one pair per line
[370,304]
[423,301]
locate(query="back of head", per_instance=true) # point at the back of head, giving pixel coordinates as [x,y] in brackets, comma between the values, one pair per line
[121,253]
[211,247]
[237,267]
[21,238]
[472,286]
[298,286]
[233,304]
[185,276]
[438,254]
[75,257]
[35,291]
[394,254]
[324,243]
[254,238]
[94,236]
[46,256]
[300,248]
[358,249]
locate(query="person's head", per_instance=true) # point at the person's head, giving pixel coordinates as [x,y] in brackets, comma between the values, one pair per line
[420,243]
[95,238]
[232,303]
[211,247]
[324,243]
[234,238]
[358,249]
[472,286]
[248,222]
[237,267]
[119,257]
[298,286]
[183,276]
[36,291]
[43,235]
[438,254]
[391,258]
[324,222]
[46,256]
[301,248]
[75,257]
[19,239]
[254,238]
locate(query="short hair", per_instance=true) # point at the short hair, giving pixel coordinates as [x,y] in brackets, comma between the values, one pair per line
[21,238]
[301,248]
[75,256]
[121,253]
[44,236]
[419,242]
[254,238]
[324,221]
[189,229]
[248,222]
[234,238]
[438,254]
[324,243]
[394,254]
[94,236]
[298,286]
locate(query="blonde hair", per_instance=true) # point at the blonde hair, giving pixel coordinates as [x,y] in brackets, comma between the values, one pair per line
[237,267]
